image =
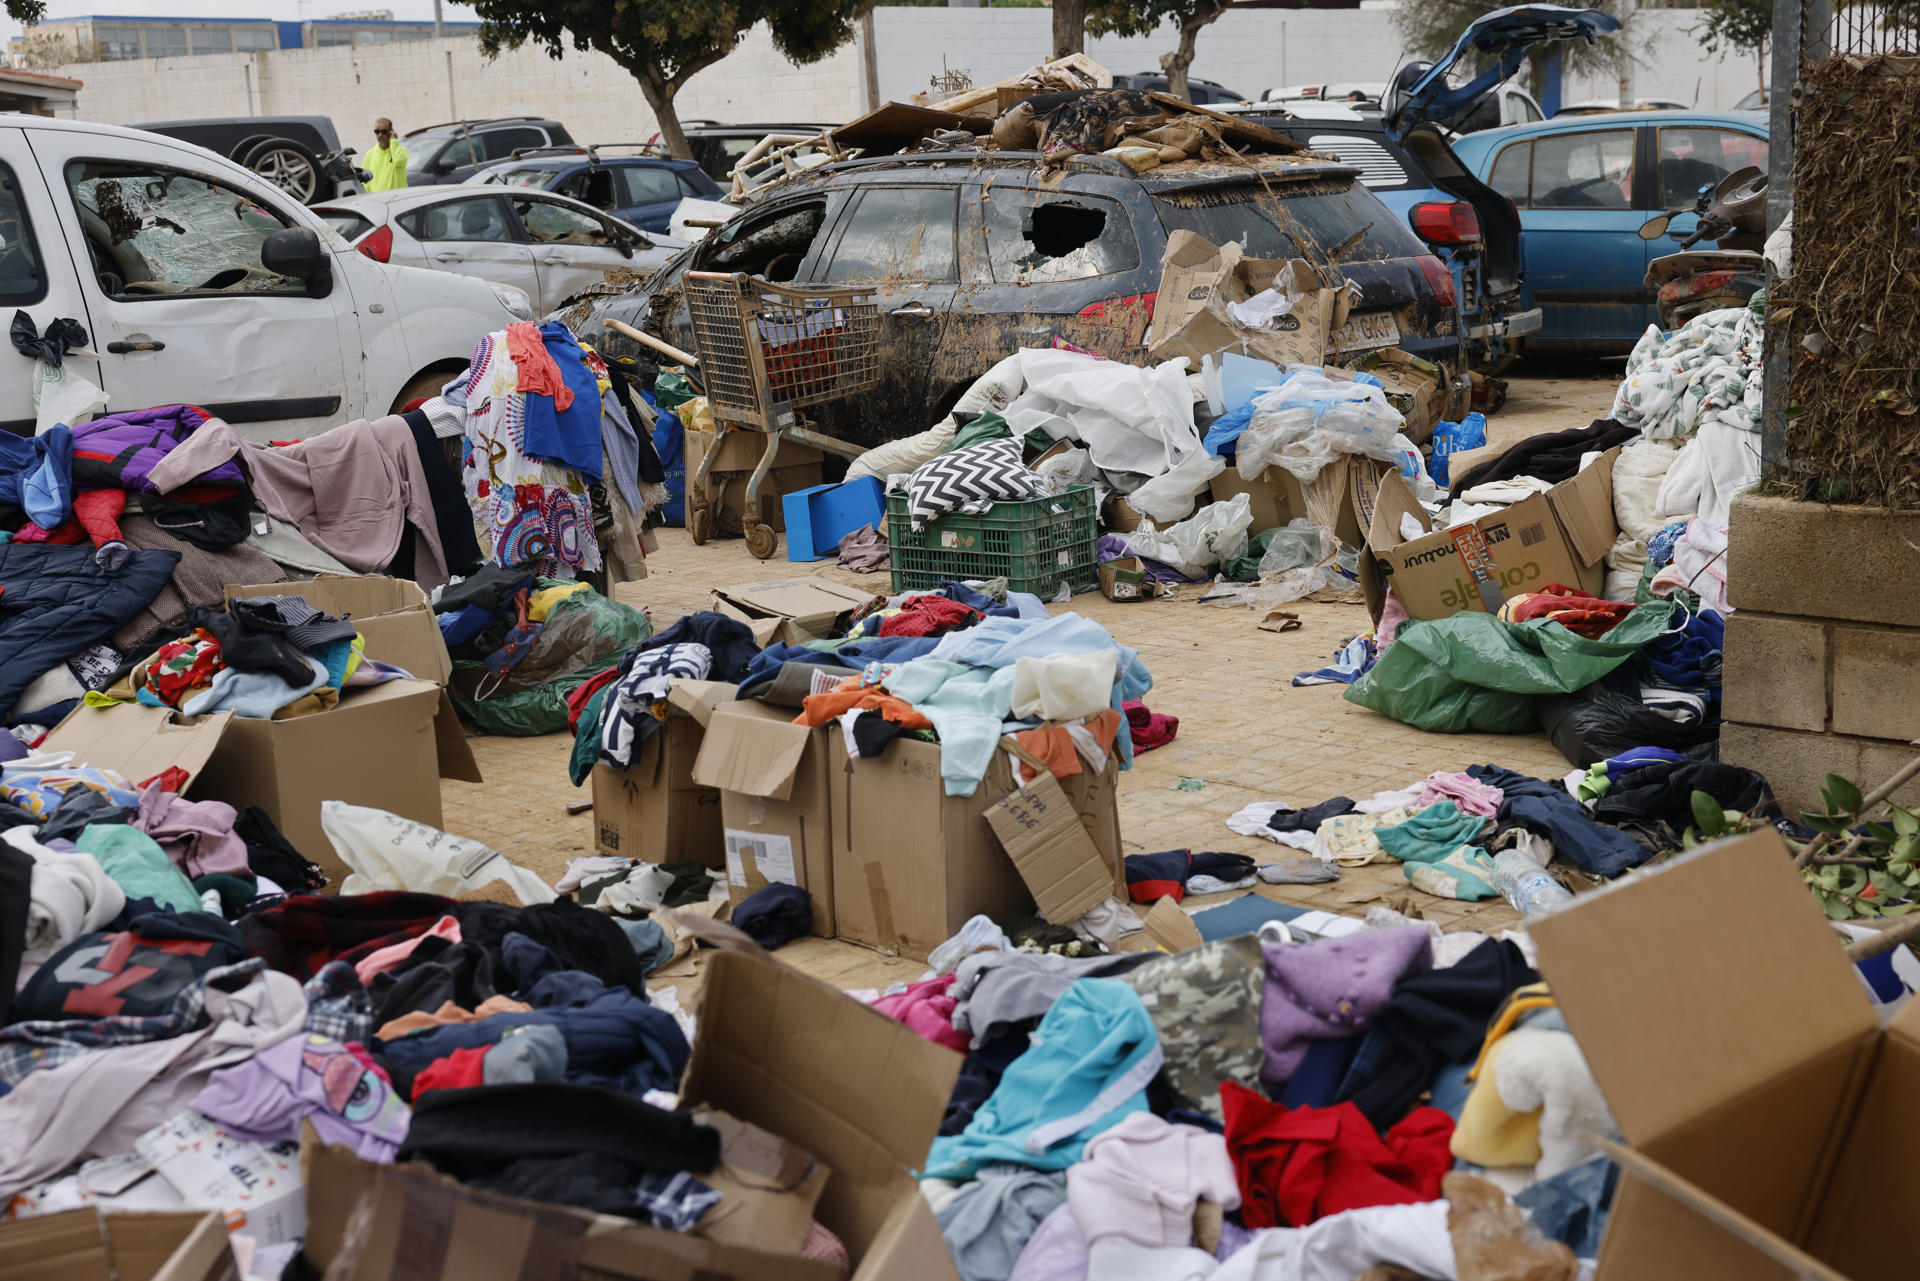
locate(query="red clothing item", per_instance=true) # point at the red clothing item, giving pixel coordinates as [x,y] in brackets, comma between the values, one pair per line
[99,512]
[927,1009]
[1149,729]
[818,709]
[929,616]
[581,696]
[457,1071]
[1055,747]
[1299,1165]
[535,368]
[1581,613]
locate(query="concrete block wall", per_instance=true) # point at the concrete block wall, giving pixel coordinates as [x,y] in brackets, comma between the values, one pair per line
[1823,648]
[432,80]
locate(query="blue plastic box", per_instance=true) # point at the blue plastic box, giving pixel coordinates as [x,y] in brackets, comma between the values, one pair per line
[818,518]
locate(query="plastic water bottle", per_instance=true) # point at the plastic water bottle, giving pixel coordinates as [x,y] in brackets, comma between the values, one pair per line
[1526,885]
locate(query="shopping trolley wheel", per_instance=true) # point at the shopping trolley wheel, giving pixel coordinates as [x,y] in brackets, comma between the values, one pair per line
[700,526]
[762,541]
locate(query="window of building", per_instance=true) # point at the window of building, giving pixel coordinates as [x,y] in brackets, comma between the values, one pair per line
[327,37]
[166,42]
[374,35]
[212,40]
[255,39]
[118,43]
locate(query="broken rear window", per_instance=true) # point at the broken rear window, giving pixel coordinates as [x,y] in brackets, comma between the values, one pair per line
[1041,239]
[1292,220]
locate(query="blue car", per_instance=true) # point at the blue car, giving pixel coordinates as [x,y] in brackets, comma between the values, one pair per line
[643,190]
[1583,186]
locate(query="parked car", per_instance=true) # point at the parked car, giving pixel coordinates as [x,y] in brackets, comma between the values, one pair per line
[199,281]
[716,146]
[1599,106]
[971,256]
[1584,186]
[1755,101]
[448,153]
[1199,91]
[1508,104]
[301,155]
[547,246]
[642,190]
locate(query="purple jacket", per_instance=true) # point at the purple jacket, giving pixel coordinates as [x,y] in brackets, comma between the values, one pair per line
[118,451]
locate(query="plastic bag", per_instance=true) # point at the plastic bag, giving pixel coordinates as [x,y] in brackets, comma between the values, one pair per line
[1597,722]
[61,395]
[1065,470]
[1451,438]
[1215,533]
[386,852]
[1170,496]
[1310,418]
[1474,672]
[1299,544]
[672,390]
[992,391]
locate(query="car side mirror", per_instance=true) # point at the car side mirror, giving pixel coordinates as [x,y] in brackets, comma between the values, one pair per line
[440,167]
[1655,227]
[295,252]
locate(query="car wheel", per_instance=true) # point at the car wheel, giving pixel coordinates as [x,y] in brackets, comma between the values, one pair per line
[289,166]
[1497,366]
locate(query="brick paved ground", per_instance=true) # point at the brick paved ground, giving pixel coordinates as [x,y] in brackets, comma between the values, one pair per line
[1245,733]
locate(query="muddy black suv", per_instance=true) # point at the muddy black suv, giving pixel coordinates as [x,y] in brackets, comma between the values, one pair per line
[972,255]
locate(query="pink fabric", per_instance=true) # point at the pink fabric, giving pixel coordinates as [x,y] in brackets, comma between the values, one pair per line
[1392,616]
[1469,793]
[927,1009]
[196,835]
[387,957]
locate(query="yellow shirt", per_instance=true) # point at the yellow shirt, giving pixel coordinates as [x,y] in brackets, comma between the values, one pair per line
[388,165]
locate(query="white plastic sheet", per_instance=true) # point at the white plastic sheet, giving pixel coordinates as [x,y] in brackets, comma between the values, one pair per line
[386,852]
[1215,533]
[1310,419]
[1132,420]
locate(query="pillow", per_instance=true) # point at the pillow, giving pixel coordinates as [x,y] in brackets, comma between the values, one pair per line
[1205,1004]
[977,474]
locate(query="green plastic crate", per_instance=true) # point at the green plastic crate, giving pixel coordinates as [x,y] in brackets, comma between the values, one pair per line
[1035,545]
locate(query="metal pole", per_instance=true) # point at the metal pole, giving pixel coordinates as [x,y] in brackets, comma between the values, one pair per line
[1801,34]
[438,28]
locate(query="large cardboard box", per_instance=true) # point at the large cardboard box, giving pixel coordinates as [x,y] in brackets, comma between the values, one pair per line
[792,611]
[1771,1123]
[911,864]
[798,467]
[384,746]
[117,1245]
[1414,386]
[772,778]
[1199,278]
[1332,499]
[1561,536]
[653,810]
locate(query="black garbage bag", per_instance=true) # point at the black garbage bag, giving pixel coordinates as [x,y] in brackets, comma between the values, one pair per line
[1604,719]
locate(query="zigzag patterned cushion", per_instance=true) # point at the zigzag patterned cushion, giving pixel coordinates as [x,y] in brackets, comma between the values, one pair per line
[977,474]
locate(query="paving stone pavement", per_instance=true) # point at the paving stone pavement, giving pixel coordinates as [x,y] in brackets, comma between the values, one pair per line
[1245,733]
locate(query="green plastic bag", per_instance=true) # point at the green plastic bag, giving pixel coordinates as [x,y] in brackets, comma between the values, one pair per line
[671,390]
[584,633]
[1246,569]
[1474,672]
[988,426]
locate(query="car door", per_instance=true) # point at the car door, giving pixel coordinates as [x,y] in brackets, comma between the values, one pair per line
[1579,209]
[900,243]
[182,309]
[1686,157]
[475,236]
[572,248]
[648,195]
[37,275]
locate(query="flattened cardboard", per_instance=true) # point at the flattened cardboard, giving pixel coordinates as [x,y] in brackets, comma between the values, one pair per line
[393,614]
[1278,496]
[790,610]
[859,1091]
[1197,281]
[770,1186]
[1041,832]
[1560,536]
[120,1245]
[775,806]
[1171,928]
[137,741]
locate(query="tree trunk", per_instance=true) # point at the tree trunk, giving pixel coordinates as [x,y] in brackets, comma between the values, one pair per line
[1069,27]
[1177,63]
[659,93]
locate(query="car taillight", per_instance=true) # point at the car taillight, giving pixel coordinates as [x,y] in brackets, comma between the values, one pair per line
[1439,279]
[378,244]
[1446,222]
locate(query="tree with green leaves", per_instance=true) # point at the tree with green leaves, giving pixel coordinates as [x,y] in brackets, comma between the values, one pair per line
[1432,27]
[1742,26]
[664,43]
[26,12]
[1143,17]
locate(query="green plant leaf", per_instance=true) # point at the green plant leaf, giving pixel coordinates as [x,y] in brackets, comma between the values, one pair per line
[1846,795]
[1823,822]
[1835,907]
[1708,815]
[1882,833]
[1904,850]
[1906,822]
[1891,886]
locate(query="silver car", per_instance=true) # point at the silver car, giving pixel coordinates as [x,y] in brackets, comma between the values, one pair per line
[548,246]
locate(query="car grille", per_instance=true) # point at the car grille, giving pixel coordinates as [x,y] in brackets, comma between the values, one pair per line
[1376,164]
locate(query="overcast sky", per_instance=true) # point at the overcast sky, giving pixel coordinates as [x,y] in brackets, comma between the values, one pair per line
[305,10]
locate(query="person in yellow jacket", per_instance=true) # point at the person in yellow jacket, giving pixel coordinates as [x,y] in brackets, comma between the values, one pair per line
[387,162]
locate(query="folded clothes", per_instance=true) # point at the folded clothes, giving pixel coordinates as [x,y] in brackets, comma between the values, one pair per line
[1166,875]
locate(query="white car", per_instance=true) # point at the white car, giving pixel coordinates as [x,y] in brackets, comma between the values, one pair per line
[199,281]
[549,246]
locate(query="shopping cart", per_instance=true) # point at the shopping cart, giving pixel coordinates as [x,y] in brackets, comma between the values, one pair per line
[766,352]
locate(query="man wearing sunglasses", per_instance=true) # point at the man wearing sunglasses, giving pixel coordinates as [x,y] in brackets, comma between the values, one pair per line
[387,162]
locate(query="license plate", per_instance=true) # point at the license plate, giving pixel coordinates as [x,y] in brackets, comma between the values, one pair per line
[1364,332]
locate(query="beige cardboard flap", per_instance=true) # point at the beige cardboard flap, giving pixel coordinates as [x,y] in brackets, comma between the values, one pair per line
[450,744]
[1172,928]
[1392,499]
[138,742]
[394,614]
[751,748]
[1698,981]
[698,698]
[1584,507]
[1042,833]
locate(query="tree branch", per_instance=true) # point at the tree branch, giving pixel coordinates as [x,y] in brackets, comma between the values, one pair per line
[1819,845]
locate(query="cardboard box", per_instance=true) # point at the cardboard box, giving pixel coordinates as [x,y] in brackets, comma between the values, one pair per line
[1561,536]
[653,810]
[819,517]
[1118,515]
[1197,281]
[911,864]
[384,746]
[1123,579]
[789,610]
[93,1245]
[1329,499]
[1415,387]
[772,778]
[1770,1121]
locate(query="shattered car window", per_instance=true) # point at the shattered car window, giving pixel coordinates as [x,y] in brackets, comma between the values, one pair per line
[153,231]
[898,234]
[772,248]
[1051,238]
[1293,220]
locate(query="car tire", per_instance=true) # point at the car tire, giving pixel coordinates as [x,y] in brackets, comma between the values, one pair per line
[1498,366]
[238,154]
[291,167]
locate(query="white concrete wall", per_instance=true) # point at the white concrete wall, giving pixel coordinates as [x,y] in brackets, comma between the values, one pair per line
[426,81]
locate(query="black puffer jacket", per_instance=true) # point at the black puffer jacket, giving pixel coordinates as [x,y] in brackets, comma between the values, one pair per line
[55,602]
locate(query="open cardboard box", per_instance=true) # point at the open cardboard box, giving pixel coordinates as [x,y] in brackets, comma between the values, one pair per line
[384,746]
[772,778]
[1560,536]
[654,810]
[789,610]
[117,1245]
[1334,498]
[1199,278]
[1771,1122]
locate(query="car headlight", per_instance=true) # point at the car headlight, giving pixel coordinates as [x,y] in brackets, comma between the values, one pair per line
[516,301]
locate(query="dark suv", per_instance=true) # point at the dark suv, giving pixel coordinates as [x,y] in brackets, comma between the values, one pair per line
[971,257]
[452,152]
